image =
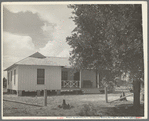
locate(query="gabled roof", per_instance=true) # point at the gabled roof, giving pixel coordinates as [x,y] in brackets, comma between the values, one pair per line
[39,59]
[37,55]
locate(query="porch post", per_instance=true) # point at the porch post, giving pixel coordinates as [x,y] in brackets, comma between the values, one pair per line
[19,93]
[80,80]
[38,92]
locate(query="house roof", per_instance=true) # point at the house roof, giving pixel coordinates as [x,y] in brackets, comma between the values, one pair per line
[37,55]
[39,59]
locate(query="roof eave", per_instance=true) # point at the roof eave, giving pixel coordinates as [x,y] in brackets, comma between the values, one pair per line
[10,67]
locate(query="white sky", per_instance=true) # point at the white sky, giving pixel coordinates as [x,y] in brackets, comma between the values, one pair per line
[31,28]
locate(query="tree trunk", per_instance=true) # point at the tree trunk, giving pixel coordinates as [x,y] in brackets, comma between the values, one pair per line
[136,91]
[96,79]
[106,94]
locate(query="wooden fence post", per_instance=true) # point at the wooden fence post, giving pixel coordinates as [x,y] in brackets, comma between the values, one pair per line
[45,97]
[106,94]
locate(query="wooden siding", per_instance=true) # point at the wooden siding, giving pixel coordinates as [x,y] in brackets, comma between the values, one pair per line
[11,84]
[28,78]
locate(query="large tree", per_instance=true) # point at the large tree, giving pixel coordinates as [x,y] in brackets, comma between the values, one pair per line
[91,47]
[108,37]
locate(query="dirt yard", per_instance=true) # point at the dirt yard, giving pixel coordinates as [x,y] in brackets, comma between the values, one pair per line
[80,103]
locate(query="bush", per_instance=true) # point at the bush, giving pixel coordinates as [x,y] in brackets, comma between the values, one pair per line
[4,82]
[110,85]
[88,110]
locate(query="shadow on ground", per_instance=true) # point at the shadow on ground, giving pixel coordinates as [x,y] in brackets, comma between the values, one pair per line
[128,110]
[120,110]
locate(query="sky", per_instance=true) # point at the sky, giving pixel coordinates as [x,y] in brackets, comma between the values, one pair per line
[31,28]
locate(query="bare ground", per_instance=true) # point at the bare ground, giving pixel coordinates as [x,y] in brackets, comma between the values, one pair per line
[78,103]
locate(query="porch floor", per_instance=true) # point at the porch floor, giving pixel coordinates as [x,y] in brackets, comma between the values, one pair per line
[70,89]
[91,90]
[85,90]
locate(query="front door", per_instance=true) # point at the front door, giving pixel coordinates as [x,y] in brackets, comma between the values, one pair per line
[77,76]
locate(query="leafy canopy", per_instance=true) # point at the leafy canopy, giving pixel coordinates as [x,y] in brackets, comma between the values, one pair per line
[107,37]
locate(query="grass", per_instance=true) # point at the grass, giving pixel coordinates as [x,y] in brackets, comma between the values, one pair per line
[83,105]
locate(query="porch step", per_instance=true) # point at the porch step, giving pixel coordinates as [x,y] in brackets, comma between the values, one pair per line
[91,90]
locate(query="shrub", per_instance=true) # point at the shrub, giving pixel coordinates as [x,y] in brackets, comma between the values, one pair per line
[4,82]
[110,85]
[88,110]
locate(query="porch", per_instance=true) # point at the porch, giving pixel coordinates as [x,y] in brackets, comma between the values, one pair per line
[78,80]
[76,84]
[70,79]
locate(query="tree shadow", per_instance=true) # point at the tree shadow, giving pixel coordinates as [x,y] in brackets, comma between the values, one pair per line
[128,110]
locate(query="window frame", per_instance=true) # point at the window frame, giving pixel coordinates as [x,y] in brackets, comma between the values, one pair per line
[11,76]
[14,76]
[8,78]
[42,81]
[64,75]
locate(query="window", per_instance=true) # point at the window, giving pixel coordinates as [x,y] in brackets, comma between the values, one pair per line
[11,75]
[8,78]
[64,75]
[40,76]
[14,77]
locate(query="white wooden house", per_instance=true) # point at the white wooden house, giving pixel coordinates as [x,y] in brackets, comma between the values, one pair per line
[38,72]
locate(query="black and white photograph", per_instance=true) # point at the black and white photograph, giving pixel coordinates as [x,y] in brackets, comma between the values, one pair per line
[74,60]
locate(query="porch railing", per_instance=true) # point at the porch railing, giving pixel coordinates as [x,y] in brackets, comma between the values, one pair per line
[70,83]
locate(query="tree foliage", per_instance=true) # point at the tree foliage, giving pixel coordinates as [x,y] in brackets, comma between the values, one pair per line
[107,37]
